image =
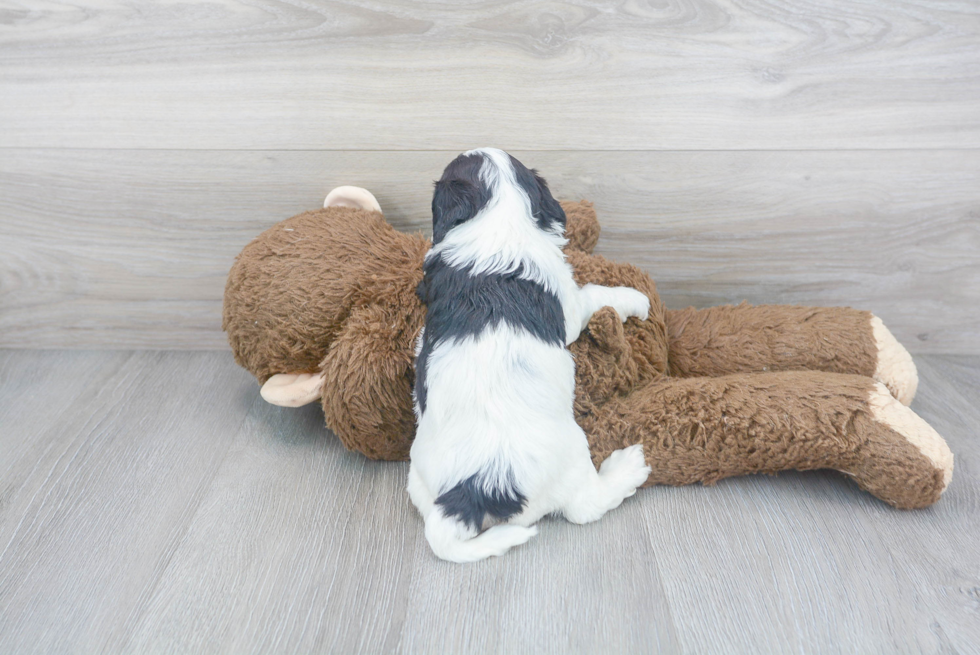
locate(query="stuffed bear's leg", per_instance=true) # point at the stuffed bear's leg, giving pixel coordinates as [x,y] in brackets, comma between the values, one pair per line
[705,429]
[752,339]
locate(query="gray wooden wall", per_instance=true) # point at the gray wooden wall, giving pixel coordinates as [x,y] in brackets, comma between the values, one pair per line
[823,153]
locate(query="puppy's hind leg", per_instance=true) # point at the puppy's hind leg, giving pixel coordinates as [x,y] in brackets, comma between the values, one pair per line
[421,497]
[595,493]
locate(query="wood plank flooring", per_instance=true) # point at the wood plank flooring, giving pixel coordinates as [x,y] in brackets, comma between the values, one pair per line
[151,502]
[131,248]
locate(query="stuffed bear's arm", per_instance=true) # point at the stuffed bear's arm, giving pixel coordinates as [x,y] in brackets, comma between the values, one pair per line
[646,339]
[368,375]
[604,361]
[706,429]
[752,339]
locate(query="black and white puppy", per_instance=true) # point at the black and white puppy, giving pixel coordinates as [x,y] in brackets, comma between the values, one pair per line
[497,440]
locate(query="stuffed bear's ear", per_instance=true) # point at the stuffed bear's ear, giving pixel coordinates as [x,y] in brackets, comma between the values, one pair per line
[292,389]
[352,196]
[454,202]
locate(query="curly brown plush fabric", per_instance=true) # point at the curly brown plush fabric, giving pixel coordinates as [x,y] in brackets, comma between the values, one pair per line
[582,228]
[333,290]
[293,289]
[709,393]
[707,429]
[755,339]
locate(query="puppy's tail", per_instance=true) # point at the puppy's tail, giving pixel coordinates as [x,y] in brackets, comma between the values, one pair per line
[453,541]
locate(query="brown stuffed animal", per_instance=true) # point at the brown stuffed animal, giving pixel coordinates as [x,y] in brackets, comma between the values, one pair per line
[323,305]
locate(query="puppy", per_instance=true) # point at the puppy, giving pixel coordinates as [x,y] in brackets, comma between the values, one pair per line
[497,440]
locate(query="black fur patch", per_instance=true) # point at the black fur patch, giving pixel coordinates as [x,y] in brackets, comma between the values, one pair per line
[461,305]
[545,209]
[459,196]
[421,371]
[470,501]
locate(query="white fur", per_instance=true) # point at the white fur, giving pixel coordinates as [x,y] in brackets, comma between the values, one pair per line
[504,397]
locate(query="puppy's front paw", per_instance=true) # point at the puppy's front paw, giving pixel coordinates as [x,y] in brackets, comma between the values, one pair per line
[630,302]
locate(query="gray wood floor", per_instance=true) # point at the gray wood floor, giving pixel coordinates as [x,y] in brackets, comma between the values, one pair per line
[823,153]
[151,502]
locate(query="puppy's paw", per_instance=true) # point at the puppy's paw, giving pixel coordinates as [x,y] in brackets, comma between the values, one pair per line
[626,469]
[630,302]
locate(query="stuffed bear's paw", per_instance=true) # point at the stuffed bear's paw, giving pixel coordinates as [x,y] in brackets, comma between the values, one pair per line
[625,469]
[630,302]
[895,368]
[888,410]
[606,328]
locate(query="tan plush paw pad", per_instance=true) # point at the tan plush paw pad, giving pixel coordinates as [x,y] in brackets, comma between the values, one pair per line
[886,409]
[895,368]
[352,196]
[292,389]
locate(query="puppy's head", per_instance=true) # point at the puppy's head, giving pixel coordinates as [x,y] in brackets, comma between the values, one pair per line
[475,178]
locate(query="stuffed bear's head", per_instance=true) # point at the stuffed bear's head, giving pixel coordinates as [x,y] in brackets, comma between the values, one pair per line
[323,306]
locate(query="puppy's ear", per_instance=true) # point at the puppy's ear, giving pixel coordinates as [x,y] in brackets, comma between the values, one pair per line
[454,202]
[550,214]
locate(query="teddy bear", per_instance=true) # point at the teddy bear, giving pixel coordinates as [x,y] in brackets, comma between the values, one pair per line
[323,307]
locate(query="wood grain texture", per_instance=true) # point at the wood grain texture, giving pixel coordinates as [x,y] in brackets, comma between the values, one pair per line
[274,559]
[131,248]
[813,153]
[165,508]
[98,493]
[590,74]
[572,590]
